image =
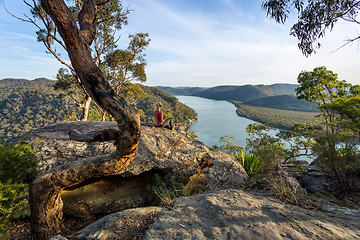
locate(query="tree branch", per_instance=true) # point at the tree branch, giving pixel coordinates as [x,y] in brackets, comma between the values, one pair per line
[86,21]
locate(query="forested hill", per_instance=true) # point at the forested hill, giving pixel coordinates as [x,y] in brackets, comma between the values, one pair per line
[247,92]
[25,105]
[171,105]
[285,102]
[238,93]
[182,91]
[278,96]
[30,104]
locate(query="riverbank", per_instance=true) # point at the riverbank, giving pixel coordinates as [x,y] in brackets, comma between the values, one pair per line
[216,119]
[278,118]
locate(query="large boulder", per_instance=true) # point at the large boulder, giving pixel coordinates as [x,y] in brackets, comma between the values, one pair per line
[235,214]
[160,151]
[315,180]
[225,214]
[127,224]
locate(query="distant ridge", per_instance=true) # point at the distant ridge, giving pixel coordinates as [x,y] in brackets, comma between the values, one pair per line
[20,82]
[182,91]
[231,92]
[276,96]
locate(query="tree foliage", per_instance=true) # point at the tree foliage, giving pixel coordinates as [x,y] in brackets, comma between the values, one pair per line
[336,137]
[125,66]
[26,105]
[111,16]
[18,165]
[314,18]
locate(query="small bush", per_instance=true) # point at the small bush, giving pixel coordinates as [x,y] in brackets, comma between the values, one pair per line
[18,165]
[13,205]
[229,146]
[166,192]
[196,184]
[250,162]
[192,134]
[287,192]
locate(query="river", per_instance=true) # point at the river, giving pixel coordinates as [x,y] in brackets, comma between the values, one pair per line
[216,119]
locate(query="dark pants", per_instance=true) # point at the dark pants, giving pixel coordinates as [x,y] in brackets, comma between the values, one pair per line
[168,123]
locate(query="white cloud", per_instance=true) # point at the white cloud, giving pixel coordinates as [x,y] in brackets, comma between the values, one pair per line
[229,45]
[196,48]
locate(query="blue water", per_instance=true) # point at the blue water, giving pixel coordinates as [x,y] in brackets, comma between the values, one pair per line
[216,119]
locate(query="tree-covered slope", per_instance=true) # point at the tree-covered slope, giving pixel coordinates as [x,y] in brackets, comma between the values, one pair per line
[247,92]
[286,102]
[275,117]
[170,104]
[27,105]
[182,91]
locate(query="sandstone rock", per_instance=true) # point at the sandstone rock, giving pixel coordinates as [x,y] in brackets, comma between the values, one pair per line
[315,180]
[108,195]
[235,214]
[160,151]
[58,237]
[127,224]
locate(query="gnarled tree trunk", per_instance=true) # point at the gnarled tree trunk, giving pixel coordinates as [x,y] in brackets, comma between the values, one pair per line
[46,204]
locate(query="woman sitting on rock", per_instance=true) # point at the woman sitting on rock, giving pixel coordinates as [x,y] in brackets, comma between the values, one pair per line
[168,123]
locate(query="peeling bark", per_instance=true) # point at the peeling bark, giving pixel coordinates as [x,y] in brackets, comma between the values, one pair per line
[46,204]
[86,107]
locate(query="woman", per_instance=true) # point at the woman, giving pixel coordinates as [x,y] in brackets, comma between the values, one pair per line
[168,123]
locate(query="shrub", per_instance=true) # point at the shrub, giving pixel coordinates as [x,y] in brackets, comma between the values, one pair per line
[250,162]
[192,134]
[287,192]
[13,205]
[18,164]
[229,145]
[167,191]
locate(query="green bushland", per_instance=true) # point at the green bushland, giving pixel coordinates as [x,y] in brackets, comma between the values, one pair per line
[275,117]
[18,165]
[26,105]
[246,92]
[182,113]
[285,102]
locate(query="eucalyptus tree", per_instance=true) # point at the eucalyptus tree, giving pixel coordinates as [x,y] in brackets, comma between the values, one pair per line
[77,31]
[111,16]
[314,18]
[337,134]
[124,66]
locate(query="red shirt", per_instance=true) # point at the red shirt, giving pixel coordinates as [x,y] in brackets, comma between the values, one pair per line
[158,117]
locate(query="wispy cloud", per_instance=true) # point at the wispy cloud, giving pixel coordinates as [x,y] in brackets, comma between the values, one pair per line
[208,43]
[191,47]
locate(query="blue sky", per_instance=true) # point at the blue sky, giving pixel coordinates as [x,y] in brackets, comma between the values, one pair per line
[195,43]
